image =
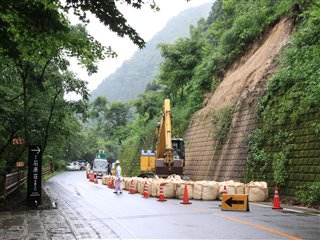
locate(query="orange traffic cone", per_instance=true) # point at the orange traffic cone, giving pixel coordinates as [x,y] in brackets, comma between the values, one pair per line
[145,191]
[109,183]
[276,199]
[225,191]
[96,179]
[91,178]
[185,196]
[131,191]
[161,194]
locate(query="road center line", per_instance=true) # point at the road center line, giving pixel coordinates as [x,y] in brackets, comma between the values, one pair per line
[250,224]
[260,227]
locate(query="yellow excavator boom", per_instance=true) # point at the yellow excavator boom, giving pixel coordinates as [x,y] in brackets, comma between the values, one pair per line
[164,141]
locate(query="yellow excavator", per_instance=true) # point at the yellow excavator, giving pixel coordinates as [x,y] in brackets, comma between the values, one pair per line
[169,155]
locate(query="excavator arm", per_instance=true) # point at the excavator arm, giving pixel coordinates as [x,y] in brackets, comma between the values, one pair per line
[164,141]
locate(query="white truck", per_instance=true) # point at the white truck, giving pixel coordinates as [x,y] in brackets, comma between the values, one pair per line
[100,167]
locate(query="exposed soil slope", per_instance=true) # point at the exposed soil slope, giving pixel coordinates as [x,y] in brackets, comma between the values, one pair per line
[242,84]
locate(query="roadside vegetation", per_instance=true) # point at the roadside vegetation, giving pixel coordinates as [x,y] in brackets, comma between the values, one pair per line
[309,194]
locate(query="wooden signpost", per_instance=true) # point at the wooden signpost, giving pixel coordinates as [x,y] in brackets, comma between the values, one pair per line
[20,164]
[34,175]
[18,141]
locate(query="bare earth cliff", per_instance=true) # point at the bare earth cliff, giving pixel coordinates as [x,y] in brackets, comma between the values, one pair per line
[241,87]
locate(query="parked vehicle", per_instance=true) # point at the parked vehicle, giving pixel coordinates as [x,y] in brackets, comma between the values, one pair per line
[73,166]
[70,167]
[82,164]
[100,167]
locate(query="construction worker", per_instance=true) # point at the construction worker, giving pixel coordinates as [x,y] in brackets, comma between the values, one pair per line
[118,178]
[109,169]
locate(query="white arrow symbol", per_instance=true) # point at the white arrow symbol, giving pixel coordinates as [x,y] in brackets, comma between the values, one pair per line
[36,150]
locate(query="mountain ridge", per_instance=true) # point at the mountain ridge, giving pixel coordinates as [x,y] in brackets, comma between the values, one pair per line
[131,78]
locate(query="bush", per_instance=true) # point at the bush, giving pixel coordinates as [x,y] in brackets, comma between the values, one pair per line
[59,165]
[257,159]
[221,123]
[309,194]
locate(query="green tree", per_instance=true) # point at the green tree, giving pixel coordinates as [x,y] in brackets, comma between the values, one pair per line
[37,18]
[111,118]
[177,69]
[148,104]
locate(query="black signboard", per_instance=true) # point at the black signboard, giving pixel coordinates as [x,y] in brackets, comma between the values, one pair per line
[34,175]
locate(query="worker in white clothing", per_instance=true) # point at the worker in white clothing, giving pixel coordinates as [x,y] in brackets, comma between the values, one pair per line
[118,178]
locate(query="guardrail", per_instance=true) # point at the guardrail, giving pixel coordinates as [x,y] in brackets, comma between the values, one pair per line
[12,181]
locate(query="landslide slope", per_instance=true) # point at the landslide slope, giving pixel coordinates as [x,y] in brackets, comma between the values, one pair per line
[243,84]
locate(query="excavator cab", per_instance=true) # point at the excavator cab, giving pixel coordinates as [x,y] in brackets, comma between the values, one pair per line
[175,166]
[178,148]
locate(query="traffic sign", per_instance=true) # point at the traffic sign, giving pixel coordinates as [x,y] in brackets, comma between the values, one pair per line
[101,156]
[235,202]
[20,164]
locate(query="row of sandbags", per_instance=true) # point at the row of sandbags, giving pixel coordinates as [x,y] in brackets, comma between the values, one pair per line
[174,186]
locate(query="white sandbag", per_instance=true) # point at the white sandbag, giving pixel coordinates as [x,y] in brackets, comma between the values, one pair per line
[231,187]
[240,189]
[154,188]
[235,188]
[257,191]
[210,191]
[104,180]
[197,190]
[126,183]
[168,190]
[174,177]
[140,186]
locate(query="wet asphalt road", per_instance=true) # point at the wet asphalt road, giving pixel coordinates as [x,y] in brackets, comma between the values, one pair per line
[95,211]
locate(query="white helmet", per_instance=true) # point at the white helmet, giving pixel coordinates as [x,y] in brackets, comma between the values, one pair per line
[117,162]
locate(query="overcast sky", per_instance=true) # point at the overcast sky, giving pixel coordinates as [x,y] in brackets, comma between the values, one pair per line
[145,21]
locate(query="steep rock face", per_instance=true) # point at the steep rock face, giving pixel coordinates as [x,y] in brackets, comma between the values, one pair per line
[241,87]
